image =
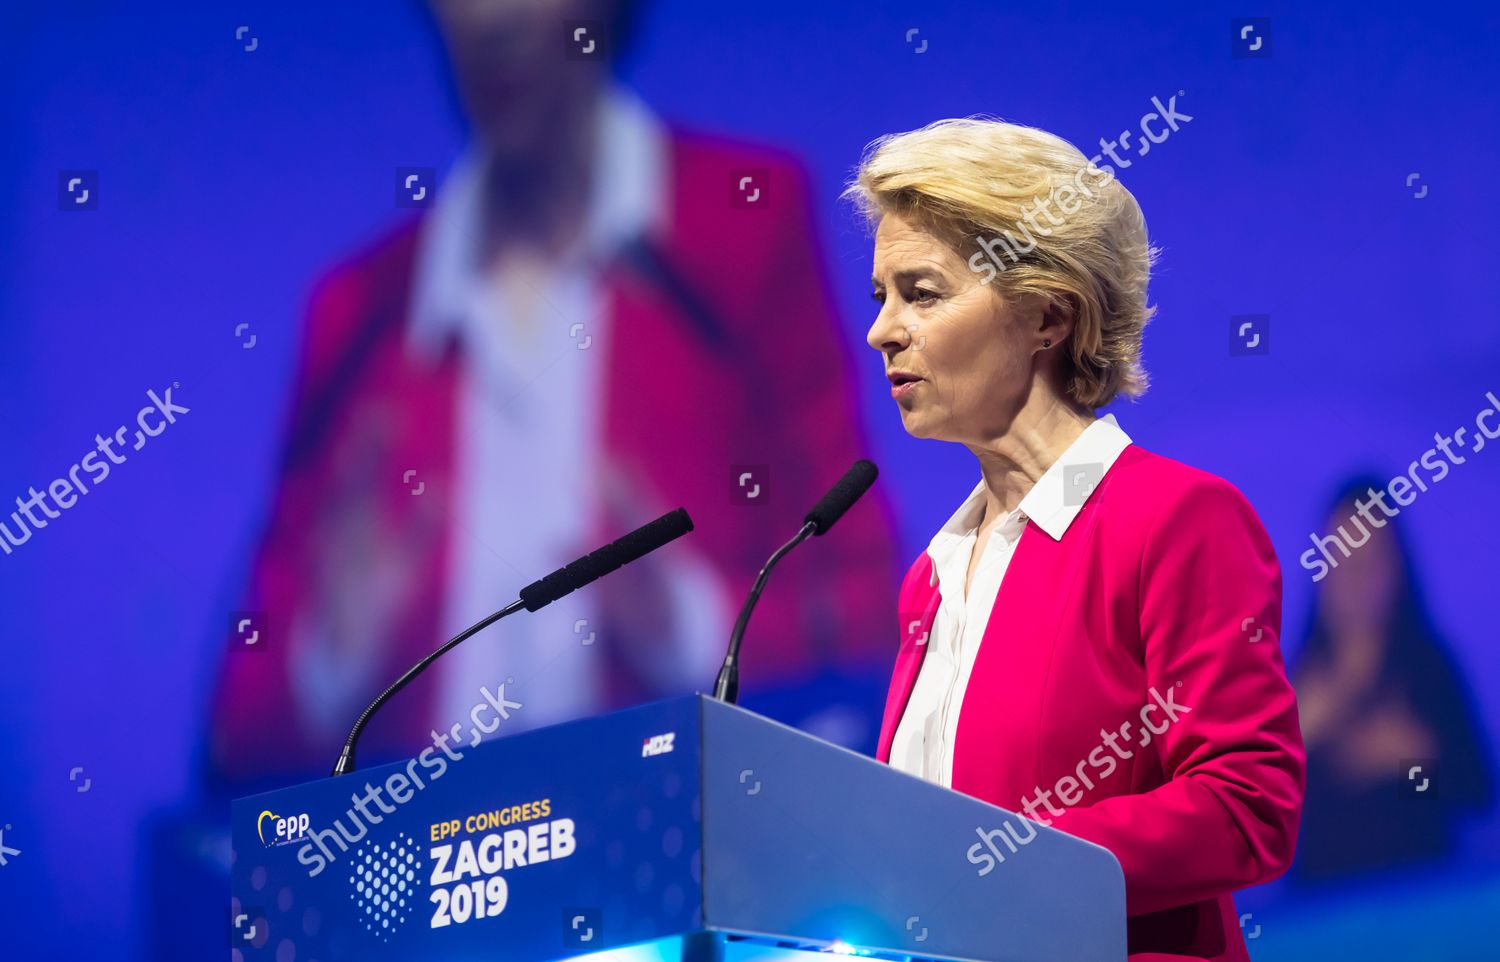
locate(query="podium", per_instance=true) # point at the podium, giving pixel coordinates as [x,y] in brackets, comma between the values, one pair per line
[684,830]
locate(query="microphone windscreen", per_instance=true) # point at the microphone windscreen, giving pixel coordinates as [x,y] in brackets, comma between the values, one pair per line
[596,564]
[855,482]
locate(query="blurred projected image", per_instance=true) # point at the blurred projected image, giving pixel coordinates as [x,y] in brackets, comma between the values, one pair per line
[572,337]
[1396,757]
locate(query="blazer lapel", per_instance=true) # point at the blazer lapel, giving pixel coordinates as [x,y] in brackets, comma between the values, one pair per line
[917,610]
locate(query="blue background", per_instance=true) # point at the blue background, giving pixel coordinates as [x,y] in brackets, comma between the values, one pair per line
[230,180]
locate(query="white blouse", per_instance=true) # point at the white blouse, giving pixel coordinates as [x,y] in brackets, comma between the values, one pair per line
[924,739]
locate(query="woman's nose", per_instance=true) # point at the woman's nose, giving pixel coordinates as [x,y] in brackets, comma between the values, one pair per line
[886,334]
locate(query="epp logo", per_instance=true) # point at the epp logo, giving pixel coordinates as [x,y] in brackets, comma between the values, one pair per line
[657,745]
[284,831]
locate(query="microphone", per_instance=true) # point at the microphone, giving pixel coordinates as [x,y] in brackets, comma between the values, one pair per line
[595,565]
[539,594]
[850,488]
[840,498]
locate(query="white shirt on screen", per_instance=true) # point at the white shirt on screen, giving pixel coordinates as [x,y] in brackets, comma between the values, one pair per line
[924,739]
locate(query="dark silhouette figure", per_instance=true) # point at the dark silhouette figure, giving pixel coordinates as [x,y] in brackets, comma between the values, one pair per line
[1384,708]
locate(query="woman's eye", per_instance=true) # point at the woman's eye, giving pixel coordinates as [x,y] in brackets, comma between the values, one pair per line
[922,294]
[878,296]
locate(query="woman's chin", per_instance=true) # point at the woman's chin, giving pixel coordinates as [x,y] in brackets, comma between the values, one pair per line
[916,424]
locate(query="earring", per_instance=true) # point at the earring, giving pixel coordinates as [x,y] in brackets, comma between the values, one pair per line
[1046,343]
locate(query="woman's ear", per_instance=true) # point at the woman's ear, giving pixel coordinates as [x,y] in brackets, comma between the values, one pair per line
[1055,323]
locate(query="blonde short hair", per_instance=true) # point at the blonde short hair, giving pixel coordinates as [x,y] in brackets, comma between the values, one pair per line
[977,183]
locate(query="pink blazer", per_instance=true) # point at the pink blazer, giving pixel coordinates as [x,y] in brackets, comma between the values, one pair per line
[1166,582]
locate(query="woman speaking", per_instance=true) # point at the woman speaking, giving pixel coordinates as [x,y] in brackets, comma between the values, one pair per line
[1092,637]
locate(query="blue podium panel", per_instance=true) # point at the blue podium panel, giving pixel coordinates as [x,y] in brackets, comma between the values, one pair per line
[547,845]
[681,830]
[808,839]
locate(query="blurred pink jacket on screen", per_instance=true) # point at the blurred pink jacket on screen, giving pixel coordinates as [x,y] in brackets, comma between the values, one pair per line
[724,351]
